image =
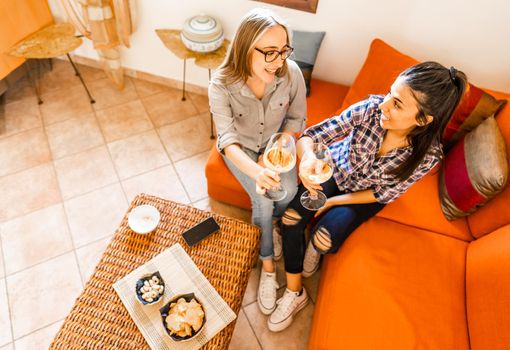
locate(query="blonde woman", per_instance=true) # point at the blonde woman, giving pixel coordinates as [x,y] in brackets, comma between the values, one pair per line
[257,92]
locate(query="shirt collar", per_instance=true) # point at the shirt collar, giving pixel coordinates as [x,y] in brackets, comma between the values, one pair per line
[246,91]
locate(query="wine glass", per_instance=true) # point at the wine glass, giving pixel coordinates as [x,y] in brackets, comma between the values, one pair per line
[316,167]
[279,156]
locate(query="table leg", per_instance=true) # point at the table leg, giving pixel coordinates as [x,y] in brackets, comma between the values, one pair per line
[210,114]
[33,81]
[184,81]
[81,79]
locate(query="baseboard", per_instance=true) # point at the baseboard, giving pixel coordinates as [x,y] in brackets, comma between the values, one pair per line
[133,73]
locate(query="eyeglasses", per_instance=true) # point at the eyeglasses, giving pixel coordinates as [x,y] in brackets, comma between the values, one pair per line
[272,55]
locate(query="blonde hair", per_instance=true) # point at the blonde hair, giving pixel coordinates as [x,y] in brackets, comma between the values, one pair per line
[237,65]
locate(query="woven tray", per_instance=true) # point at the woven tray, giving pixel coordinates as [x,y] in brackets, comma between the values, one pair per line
[98,320]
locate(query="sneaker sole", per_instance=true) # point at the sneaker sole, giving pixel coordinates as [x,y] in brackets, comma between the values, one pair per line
[278,327]
[265,310]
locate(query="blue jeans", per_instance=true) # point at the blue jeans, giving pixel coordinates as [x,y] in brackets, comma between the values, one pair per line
[265,211]
[332,229]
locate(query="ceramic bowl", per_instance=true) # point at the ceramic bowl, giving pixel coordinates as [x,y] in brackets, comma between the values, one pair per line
[165,310]
[202,34]
[143,219]
[140,284]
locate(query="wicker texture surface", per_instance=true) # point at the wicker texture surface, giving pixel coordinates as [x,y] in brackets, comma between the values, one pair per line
[98,320]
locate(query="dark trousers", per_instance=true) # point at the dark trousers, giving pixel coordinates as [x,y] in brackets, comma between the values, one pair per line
[339,222]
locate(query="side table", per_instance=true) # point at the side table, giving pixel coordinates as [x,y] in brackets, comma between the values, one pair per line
[49,42]
[210,60]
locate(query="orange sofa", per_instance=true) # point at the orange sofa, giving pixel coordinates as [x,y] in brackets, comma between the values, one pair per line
[408,278]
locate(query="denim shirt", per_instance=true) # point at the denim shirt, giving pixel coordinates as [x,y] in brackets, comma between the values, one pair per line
[241,118]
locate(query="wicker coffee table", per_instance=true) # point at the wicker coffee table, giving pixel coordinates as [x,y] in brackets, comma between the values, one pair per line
[98,320]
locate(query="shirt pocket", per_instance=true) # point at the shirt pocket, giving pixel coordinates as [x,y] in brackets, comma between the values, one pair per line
[279,107]
[241,112]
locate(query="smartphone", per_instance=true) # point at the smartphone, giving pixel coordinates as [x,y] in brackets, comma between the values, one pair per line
[200,231]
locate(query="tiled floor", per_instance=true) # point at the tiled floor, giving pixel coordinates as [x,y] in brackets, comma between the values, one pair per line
[68,170]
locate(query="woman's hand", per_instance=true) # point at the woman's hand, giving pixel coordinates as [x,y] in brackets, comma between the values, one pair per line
[330,202]
[310,167]
[267,179]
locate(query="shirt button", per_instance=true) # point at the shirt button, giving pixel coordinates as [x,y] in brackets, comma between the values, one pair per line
[260,133]
[261,123]
[240,114]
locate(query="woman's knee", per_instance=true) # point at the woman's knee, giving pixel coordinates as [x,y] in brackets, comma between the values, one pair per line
[291,217]
[321,240]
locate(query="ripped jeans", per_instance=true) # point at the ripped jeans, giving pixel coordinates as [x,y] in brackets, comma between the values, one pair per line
[265,211]
[330,231]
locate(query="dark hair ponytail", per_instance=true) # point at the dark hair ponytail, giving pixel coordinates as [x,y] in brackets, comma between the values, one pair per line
[438,91]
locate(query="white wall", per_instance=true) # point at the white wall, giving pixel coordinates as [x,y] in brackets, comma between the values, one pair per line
[472,35]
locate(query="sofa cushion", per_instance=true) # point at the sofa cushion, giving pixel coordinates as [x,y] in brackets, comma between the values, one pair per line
[474,171]
[420,207]
[394,287]
[496,213]
[488,291]
[383,65]
[306,47]
[476,106]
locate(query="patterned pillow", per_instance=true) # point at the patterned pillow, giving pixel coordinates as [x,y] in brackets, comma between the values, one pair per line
[474,171]
[306,46]
[474,108]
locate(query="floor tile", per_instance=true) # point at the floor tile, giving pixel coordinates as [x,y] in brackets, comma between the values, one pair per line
[95,215]
[191,171]
[2,266]
[107,95]
[146,88]
[34,238]
[89,256]
[64,104]
[28,190]
[162,182]
[9,346]
[74,135]
[186,138]
[243,337]
[123,120]
[250,296]
[19,116]
[201,102]
[21,90]
[138,154]
[312,284]
[5,322]
[43,294]
[61,76]
[213,205]
[40,339]
[90,73]
[295,337]
[23,150]
[166,107]
[85,171]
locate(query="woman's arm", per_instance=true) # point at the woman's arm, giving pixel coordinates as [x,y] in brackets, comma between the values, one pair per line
[360,197]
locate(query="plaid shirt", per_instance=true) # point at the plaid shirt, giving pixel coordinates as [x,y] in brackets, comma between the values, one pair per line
[355,155]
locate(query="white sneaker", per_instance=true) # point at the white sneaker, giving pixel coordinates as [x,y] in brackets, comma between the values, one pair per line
[266,295]
[288,305]
[311,262]
[277,244]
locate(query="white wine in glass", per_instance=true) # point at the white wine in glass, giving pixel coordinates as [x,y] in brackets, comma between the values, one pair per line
[279,156]
[316,167]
